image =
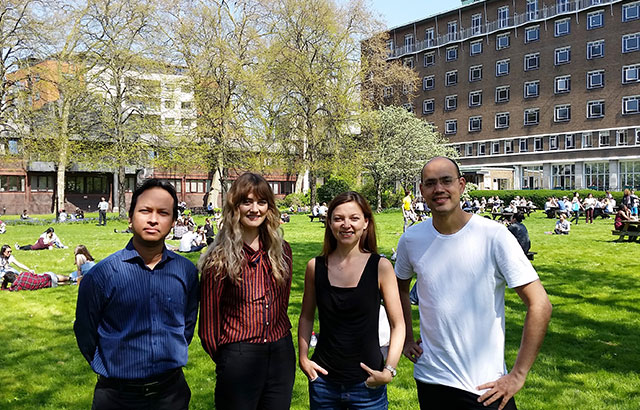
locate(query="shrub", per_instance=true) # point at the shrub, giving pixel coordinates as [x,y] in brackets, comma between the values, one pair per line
[332,187]
[539,196]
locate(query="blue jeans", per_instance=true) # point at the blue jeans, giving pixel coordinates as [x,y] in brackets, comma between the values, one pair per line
[325,394]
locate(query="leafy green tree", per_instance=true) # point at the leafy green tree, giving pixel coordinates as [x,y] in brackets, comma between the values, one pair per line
[332,187]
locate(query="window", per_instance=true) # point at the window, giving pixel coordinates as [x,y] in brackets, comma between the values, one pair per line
[87,184]
[595,79]
[42,183]
[429,59]
[631,74]
[428,106]
[451,126]
[508,147]
[595,49]
[390,44]
[630,174]
[195,186]
[452,53]
[408,62]
[569,141]
[603,138]
[408,42]
[631,11]
[475,98]
[451,78]
[469,150]
[631,104]
[452,30]
[531,61]
[429,36]
[502,68]
[476,23]
[475,48]
[14,147]
[502,120]
[562,27]
[553,142]
[429,82]
[169,104]
[587,142]
[495,147]
[563,176]
[630,43]
[502,41]
[503,16]
[537,144]
[595,109]
[637,140]
[185,105]
[531,116]
[531,34]
[482,148]
[475,124]
[387,92]
[524,145]
[595,20]
[532,177]
[502,94]
[562,6]
[596,175]
[12,183]
[532,89]
[562,84]
[562,113]
[532,9]
[562,55]
[475,73]
[408,107]
[450,102]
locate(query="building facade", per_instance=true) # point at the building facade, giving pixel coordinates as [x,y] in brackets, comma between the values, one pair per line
[532,93]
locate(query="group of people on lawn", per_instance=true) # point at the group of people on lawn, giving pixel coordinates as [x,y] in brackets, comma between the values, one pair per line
[137,309]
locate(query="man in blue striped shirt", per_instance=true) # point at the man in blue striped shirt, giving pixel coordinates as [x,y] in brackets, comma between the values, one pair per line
[137,309]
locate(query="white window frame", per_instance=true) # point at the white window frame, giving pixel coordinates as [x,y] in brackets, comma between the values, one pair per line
[526,89]
[428,106]
[591,75]
[595,20]
[502,120]
[503,41]
[562,27]
[562,113]
[637,138]
[553,142]
[631,11]
[569,141]
[475,123]
[429,59]
[503,89]
[409,42]
[474,44]
[532,29]
[387,92]
[503,16]
[560,51]
[508,147]
[475,98]
[429,82]
[631,105]
[468,150]
[503,63]
[452,53]
[408,62]
[476,23]
[587,140]
[452,30]
[562,6]
[524,145]
[604,138]
[477,70]
[429,36]
[538,144]
[482,148]
[448,76]
[495,147]
[450,127]
[532,9]
[595,49]
[631,42]
[528,58]
[631,74]
[451,102]
[592,109]
[621,137]
[535,111]
[562,84]
[408,107]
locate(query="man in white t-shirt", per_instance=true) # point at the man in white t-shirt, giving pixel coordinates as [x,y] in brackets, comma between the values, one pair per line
[463,263]
[103,207]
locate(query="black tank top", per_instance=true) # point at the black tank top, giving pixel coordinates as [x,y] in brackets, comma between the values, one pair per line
[348,324]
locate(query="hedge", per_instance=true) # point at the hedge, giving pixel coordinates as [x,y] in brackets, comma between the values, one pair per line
[539,196]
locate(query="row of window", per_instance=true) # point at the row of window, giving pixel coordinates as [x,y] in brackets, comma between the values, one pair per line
[596,175]
[622,138]
[561,113]
[185,105]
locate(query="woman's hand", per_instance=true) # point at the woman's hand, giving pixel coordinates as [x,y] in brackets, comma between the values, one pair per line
[376,378]
[311,369]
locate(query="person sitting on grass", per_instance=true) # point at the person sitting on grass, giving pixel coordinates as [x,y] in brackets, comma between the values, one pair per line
[520,231]
[45,241]
[84,263]
[563,226]
[3,227]
[24,215]
[32,281]
[6,259]
[193,241]
[54,239]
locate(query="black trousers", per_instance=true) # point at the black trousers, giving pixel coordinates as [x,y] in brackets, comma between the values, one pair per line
[439,397]
[251,376]
[102,217]
[169,392]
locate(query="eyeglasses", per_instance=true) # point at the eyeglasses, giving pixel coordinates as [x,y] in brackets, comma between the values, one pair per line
[444,181]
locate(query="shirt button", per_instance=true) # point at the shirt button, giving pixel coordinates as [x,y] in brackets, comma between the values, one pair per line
[267,323]
[265,340]
[267,306]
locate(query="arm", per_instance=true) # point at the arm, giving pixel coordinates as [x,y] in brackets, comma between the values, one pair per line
[305,324]
[412,349]
[208,321]
[89,308]
[191,309]
[389,289]
[535,327]
[21,266]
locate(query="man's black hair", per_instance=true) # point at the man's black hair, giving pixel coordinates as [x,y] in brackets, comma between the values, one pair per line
[459,174]
[154,183]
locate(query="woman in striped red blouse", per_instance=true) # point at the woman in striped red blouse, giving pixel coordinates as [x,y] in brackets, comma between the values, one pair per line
[246,281]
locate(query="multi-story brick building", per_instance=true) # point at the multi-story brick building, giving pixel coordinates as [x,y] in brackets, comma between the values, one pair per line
[533,93]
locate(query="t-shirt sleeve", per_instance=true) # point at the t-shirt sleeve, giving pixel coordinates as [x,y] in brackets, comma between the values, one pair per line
[403,267]
[512,262]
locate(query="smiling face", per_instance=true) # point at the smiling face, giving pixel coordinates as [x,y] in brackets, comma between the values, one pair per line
[348,223]
[6,253]
[441,186]
[152,218]
[253,211]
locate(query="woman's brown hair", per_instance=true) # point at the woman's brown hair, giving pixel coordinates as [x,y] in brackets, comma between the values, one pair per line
[368,242]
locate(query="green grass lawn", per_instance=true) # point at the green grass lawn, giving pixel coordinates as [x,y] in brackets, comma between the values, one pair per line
[590,358]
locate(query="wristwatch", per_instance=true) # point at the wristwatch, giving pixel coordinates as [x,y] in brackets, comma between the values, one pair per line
[391,369]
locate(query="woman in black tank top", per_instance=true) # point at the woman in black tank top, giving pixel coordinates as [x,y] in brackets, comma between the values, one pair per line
[347,283]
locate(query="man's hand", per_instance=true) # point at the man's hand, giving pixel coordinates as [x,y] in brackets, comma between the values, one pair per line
[505,387]
[412,350]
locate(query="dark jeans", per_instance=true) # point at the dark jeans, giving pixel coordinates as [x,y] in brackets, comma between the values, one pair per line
[589,215]
[437,397]
[576,216]
[254,376]
[327,395]
[102,217]
[168,393]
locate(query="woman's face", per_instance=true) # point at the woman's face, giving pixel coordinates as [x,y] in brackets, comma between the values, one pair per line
[6,253]
[348,223]
[253,211]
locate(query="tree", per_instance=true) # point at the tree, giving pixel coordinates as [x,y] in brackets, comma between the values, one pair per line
[400,145]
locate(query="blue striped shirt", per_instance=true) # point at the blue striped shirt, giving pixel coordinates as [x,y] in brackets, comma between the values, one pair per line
[133,322]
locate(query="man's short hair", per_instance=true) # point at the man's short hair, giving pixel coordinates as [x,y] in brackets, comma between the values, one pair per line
[459,175]
[154,183]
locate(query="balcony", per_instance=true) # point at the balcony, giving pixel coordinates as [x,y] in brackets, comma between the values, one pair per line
[516,20]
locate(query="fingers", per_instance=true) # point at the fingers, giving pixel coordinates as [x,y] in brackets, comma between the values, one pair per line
[319,368]
[366,369]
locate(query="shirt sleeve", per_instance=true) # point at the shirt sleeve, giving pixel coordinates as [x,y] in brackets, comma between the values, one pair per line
[403,267]
[208,320]
[512,262]
[191,312]
[89,306]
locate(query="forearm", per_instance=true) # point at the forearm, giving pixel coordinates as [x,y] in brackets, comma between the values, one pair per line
[533,333]
[396,343]
[305,328]
[406,314]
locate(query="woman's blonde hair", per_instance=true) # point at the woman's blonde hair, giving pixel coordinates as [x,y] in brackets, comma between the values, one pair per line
[225,258]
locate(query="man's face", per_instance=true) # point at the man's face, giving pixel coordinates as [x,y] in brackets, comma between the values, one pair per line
[441,187]
[152,217]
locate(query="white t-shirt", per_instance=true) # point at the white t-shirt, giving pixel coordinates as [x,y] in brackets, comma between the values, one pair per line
[461,282]
[186,241]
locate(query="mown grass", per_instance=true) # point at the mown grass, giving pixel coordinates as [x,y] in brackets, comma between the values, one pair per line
[590,358]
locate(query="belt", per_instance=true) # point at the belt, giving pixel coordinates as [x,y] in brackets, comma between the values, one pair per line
[145,387]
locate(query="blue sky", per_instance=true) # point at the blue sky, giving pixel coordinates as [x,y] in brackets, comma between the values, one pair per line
[398,12]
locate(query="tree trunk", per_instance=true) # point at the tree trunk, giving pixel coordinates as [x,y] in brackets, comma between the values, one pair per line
[60,178]
[378,196]
[122,210]
[312,188]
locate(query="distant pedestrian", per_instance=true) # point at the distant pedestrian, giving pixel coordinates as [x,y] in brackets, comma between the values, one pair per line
[103,207]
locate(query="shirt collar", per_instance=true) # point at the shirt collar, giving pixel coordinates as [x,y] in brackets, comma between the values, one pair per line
[129,253]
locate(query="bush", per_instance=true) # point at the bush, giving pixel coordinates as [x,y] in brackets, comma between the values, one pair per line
[539,196]
[332,187]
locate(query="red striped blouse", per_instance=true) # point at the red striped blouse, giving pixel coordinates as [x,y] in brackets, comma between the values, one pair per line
[252,311]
